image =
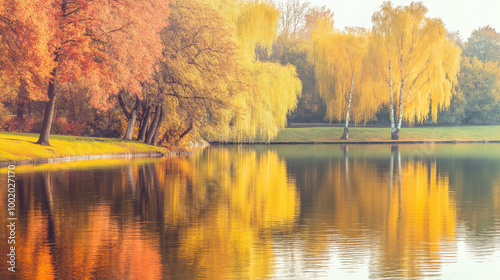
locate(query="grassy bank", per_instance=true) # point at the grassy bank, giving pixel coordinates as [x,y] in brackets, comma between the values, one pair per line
[17,147]
[375,134]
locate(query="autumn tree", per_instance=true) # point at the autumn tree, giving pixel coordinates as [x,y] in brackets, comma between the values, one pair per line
[107,46]
[294,50]
[311,18]
[25,57]
[416,60]
[196,76]
[339,59]
[292,47]
[273,89]
[477,98]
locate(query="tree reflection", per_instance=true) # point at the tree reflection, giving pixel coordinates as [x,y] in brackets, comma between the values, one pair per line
[210,216]
[67,237]
[421,216]
[400,212]
[240,200]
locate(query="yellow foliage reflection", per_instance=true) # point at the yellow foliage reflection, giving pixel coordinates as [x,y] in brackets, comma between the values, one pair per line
[420,217]
[209,216]
[247,198]
[403,216]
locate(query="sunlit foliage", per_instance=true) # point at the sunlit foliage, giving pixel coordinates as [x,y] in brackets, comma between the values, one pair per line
[199,71]
[108,46]
[418,62]
[272,89]
[343,75]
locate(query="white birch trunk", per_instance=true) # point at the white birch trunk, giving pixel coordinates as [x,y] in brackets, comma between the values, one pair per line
[345,136]
[400,115]
[349,103]
[393,125]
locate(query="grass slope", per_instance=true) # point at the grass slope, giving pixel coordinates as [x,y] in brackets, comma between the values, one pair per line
[368,134]
[22,147]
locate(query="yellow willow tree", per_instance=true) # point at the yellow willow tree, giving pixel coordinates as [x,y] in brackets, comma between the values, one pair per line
[271,90]
[339,59]
[418,63]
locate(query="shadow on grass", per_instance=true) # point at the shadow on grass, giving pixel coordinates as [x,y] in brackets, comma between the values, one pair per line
[18,140]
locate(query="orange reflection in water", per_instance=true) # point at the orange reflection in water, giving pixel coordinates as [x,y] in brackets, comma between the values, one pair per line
[210,216]
[60,237]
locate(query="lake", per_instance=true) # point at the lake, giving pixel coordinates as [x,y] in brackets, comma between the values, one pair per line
[264,211]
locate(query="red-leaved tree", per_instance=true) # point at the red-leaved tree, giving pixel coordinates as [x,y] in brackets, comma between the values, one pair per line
[105,45]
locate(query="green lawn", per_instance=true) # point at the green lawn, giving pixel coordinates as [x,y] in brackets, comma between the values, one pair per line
[367,134]
[22,147]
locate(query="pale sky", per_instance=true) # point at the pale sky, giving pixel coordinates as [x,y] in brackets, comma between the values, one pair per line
[458,15]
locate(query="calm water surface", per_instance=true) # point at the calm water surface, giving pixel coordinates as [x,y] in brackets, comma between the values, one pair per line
[251,212]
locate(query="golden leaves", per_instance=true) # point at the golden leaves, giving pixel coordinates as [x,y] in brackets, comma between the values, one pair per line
[270,90]
[341,65]
[424,62]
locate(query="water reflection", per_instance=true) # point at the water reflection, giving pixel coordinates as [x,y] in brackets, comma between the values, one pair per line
[420,219]
[394,216]
[262,212]
[210,216]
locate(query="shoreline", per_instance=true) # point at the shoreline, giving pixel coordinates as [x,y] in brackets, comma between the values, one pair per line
[93,157]
[359,142]
[21,149]
[176,154]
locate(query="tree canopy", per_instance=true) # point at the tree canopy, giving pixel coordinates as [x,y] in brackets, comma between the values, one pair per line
[418,62]
[484,43]
[106,46]
[341,68]
[273,89]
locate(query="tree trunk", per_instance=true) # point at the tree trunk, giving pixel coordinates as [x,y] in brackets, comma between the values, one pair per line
[155,136]
[49,113]
[123,106]
[152,127]
[184,133]
[131,119]
[144,124]
[394,134]
[345,136]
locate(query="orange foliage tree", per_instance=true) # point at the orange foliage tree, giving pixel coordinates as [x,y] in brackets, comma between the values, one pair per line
[105,45]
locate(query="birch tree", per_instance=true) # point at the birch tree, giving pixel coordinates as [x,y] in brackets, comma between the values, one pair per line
[417,62]
[341,73]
